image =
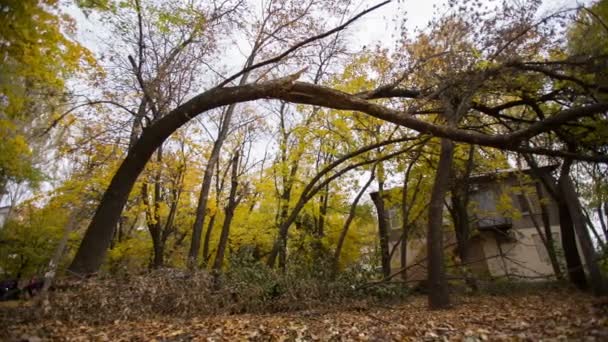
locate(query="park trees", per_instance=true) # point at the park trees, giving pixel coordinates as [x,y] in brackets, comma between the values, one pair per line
[495,79]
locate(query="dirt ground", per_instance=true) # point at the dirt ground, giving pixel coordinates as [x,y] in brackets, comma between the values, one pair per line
[548,315]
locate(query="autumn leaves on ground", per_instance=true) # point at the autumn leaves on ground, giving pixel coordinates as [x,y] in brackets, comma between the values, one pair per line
[540,314]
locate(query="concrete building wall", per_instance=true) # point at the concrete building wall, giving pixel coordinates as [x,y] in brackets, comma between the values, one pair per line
[3,215]
[524,257]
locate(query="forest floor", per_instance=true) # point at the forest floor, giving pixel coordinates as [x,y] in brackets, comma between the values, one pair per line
[543,315]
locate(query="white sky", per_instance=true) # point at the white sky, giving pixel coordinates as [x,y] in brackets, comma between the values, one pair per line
[381,25]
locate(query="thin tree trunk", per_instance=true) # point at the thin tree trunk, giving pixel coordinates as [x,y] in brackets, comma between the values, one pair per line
[549,242]
[323,204]
[602,221]
[574,266]
[460,215]
[350,218]
[383,228]
[438,289]
[207,240]
[201,209]
[230,208]
[310,190]
[51,272]
[405,213]
[219,187]
[575,210]
[592,228]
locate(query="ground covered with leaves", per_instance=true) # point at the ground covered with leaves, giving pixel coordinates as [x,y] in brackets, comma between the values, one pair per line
[555,314]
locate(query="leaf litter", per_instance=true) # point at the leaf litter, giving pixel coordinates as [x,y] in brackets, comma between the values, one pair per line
[555,315]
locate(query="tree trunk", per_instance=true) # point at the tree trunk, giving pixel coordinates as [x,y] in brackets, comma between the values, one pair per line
[549,242]
[405,214]
[576,272]
[438,289]
[574,265]
[460,216]
[383,229]
[51,272]
[207,240]
[155,227]
[602,221]
[230,208]
[574,208]
[310,190]
[201,209]
[323,204]
[349,219]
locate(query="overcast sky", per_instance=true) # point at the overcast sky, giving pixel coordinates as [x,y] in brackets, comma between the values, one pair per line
[381,25]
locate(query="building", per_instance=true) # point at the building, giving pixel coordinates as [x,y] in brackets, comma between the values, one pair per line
[507,228]
[4,211]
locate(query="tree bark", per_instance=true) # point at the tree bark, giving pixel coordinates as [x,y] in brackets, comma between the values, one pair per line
[574,208]
[201,209]
[574,265]
[383,228]
[549,242]
[229,214]
[49,276]
[438,287]
[602,221]
[405,213]
[349,219]
[576,272]
[460,216]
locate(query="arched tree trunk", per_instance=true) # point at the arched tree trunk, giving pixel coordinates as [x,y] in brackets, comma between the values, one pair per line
[98,236]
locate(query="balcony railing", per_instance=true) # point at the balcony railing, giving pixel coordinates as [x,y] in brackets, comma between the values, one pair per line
[494,223]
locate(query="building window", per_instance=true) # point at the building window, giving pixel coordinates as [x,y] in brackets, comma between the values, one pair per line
[394,218]
[524,206]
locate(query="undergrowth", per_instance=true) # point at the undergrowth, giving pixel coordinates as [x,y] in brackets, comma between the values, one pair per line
[247,286]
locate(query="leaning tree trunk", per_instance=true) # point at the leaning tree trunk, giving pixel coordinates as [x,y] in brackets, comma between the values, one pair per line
[574,208]
[349,220]
[574,265]
[437,282]
[51,272]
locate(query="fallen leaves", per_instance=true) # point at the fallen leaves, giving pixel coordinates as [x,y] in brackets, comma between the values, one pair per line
[551,315]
